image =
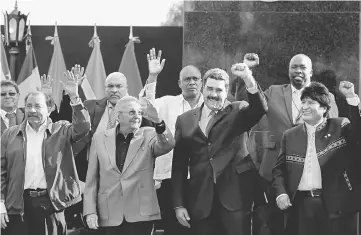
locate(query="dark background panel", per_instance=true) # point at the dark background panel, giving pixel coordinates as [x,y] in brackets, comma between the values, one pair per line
[74,42]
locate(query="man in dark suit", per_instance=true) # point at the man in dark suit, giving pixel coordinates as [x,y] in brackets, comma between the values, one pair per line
[218,196]
[317,173]
[11,115]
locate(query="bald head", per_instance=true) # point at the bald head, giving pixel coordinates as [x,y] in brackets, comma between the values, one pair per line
[115,87]
[190,82]
[189,71]
[300,71]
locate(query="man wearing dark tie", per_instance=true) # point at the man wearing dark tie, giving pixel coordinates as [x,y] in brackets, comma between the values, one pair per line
[11,115]
[218,196]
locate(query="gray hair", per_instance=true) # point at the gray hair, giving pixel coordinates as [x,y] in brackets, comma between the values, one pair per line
[216,74]
[126,99]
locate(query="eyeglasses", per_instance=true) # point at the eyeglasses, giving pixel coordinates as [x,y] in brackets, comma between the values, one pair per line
[132,113]
[188,79]
[12,94]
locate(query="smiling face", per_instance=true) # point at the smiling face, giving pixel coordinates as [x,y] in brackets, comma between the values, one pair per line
[300,71]
[9,98]
[36,109]
[215,93]
[130,113]
[312,111]
[115,87]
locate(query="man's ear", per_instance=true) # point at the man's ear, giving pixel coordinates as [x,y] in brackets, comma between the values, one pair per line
[51,109]
[311,73]
[179,83]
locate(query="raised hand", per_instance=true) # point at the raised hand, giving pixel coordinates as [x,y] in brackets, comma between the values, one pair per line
[70,86]
[46,84]
[251,59]
[242,70]
[76,72]
[347,89]
[150,111]
[155,64]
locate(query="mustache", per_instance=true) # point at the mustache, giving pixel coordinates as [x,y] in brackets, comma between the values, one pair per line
[213,98]
[32,115]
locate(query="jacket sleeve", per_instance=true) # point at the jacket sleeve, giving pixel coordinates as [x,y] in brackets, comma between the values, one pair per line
[80,126]
[249,116]
[351,126]
[179,167]
[4,183]
[279,170]
[92,181]
[162,143]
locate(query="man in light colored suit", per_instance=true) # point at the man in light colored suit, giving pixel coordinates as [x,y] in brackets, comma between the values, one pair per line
[11,115]
[119,191]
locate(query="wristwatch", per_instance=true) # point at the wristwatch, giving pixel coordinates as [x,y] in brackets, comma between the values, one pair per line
[160,127]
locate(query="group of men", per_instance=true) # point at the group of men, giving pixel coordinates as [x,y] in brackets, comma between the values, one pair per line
[183,159]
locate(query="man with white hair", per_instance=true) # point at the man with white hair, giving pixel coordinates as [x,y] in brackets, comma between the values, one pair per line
[119,193]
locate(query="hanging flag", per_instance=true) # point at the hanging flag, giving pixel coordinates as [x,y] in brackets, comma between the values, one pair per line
[29,77]
[57,68]
[129,66]
[93,84]
[5,71]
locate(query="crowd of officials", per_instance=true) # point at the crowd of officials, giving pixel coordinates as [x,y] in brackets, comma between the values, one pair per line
[276,162]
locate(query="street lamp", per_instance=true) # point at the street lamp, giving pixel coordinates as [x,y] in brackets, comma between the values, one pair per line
[15,24]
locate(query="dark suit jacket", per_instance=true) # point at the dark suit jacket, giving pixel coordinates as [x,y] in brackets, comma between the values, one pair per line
[96,109]
[218,154]
[20,116]
[336,140]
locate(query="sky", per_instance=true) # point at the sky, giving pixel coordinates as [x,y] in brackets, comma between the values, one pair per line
[88,12]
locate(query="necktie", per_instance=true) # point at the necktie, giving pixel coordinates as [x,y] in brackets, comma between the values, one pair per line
[111,119]
[12,118]
[210,122]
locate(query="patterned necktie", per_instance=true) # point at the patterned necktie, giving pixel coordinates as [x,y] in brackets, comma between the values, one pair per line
[12,118]
[111,119]
[210,122]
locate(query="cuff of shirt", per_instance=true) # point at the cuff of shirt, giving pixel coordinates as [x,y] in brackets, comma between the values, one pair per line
[280,196]
[354,101]
[253,90]
[149,89]
[178,207]
[2,207]
[77,101]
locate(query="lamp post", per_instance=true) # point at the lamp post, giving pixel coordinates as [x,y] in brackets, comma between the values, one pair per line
[15,24]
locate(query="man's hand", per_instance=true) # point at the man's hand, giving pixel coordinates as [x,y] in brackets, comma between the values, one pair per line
[76,72]
[283,202]
[347,89]
[150,111]
[182,216]
[46,84]
[70,86]
[154,64]
[92,221]
[4,220]
[251,60]
[242,70]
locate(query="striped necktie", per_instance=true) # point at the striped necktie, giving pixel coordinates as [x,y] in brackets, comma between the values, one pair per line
[12,118]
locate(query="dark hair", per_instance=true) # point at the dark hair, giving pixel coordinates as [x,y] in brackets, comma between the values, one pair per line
[216,74]
[318,92]
[10,83]
[48,98]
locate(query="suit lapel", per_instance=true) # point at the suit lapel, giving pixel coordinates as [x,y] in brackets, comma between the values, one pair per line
[19,116]
[99,111]
[196,118]
[3,126]
[287,93]
[134,147]
[221,114]
[109,142]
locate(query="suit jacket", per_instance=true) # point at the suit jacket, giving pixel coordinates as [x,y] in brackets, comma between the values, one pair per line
[130,194]
[216,155]
[336,140]
[279,117]
[20,116]
[96,110]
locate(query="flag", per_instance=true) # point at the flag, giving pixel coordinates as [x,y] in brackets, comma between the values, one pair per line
[29,77]
[5,71]
[57,68]
[129,67]
[93,84]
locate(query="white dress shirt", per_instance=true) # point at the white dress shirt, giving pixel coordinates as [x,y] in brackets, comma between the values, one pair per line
[205,118]
[296,103]
[311,176]
[169,108]
[6,120]
[34,169]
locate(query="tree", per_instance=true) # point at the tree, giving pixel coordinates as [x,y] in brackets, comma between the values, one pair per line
[175,15]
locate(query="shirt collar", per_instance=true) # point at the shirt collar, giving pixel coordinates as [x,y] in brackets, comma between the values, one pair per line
[296,91]
[109,105]
[3,113]
[41,129]
[314,127]
[200,101]
[117,132]
[206,111]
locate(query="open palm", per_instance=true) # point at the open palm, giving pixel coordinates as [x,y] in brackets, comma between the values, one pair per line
[155,65]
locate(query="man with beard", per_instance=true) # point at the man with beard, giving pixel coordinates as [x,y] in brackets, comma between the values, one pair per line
[284,112]
[169,108]
[11,115]
[218,194]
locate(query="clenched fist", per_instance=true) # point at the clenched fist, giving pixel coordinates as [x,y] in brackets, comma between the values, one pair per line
[251,59]
[347,89]
[243,71]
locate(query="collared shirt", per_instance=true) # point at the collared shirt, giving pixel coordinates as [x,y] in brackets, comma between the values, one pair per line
[296,103]
[34,169]
[121,148]
[169,108]
[3,116]
[205,118]
[311,176]
[104,120]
